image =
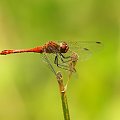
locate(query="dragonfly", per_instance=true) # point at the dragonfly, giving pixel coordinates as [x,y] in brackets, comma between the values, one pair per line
[59,49]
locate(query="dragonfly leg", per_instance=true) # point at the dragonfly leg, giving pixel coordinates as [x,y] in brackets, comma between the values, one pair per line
[64,56]
[60,65]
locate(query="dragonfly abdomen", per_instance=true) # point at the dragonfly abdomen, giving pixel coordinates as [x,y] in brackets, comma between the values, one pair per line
[36,50]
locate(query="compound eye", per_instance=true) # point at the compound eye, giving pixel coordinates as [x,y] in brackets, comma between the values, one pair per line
[64,47]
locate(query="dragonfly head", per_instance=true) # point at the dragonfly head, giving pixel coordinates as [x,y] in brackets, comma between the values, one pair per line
[63,47]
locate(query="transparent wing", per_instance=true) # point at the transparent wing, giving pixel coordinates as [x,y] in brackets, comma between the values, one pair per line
[49,60]
[81,44]
[84,49]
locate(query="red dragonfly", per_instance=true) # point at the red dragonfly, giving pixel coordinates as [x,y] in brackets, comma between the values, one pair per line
[59,49]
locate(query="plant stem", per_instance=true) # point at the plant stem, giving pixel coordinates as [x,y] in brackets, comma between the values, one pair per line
[63,97]
[62,90]
[65,106]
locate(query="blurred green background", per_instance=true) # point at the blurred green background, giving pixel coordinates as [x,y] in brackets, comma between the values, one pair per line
[28,89]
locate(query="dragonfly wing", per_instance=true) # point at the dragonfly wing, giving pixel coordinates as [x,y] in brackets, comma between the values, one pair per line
[49,60]
[83,54]
[84,49]
[90,45]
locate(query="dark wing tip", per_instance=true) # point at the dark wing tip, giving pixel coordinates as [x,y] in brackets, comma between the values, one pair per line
[98,42]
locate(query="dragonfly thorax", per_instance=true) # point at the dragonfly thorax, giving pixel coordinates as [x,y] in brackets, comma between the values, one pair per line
[64,47]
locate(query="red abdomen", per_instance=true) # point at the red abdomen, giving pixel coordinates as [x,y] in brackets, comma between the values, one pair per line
[36,50]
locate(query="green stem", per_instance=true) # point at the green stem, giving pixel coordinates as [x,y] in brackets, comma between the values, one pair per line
[63,97]
[65,106]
